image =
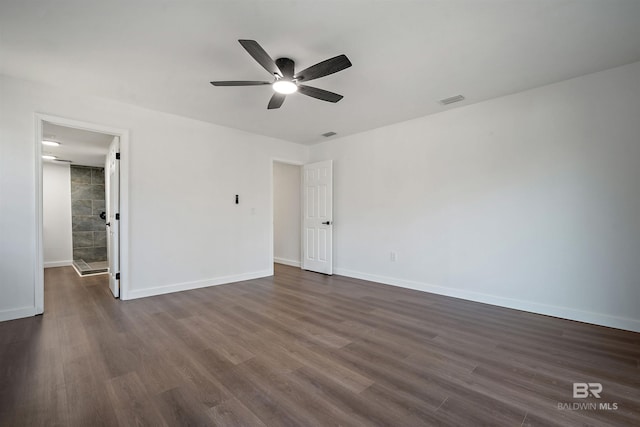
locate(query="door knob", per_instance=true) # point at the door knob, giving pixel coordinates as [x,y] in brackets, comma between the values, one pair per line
[327,223]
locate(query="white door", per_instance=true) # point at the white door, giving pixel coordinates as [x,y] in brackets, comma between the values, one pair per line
[112,173]
[317,229]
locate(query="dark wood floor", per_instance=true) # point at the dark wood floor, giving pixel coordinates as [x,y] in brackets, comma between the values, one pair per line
[304,349]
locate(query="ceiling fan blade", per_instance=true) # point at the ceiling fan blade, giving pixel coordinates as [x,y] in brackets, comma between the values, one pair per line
[324,68]
[258,53]
[322,94]
[239,83]
[276,101]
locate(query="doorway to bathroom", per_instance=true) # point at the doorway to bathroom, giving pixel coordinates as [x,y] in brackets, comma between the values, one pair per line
[81,214]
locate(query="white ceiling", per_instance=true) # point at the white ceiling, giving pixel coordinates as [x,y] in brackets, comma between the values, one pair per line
[406,55]
[80,147]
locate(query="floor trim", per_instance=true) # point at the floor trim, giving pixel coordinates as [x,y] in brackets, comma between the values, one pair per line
[177,287]
[532,307]
[51,264]
[17,313]
[285,261]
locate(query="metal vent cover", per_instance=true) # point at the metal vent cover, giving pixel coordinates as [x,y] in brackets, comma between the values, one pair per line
[451,100]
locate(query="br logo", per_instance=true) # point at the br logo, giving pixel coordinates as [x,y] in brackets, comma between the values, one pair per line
[584,390]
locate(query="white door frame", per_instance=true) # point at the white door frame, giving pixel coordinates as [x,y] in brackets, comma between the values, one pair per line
[271,234]
[124,200]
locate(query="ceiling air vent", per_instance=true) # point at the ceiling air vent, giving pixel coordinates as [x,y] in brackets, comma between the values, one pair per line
[328,134]
[451,100]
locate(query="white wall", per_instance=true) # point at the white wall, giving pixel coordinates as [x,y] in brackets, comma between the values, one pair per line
[529,201]
[56,214]
[286,213]
[185,230]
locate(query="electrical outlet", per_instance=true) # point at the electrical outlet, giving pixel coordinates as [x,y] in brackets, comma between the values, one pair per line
[393,257]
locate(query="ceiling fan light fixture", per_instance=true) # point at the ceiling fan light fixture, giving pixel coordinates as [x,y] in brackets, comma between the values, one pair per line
[285,87]
[286,78]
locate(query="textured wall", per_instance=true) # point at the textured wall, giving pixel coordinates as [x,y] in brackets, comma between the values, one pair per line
[87,202]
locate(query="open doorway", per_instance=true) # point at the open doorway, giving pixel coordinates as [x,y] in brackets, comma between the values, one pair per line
[287,210]
[302,197]
[74,202]
[81,200]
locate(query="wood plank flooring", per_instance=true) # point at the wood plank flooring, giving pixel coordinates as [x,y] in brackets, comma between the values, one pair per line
[303,349]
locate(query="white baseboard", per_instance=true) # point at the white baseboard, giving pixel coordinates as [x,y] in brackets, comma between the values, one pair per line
[532,307]
[17,313]
[177,287]
[57,264]
[285,261]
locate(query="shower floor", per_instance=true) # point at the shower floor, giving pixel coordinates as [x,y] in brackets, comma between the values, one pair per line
[85,268]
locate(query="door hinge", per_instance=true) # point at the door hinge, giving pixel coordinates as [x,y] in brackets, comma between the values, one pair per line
[118,216]
[117,156]
[117,276]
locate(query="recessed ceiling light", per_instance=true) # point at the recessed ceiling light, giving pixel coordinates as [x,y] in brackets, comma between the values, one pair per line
[50,143]
[48,157]
[285,87]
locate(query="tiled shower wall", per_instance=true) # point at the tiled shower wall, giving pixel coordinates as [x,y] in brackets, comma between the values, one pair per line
[87,202]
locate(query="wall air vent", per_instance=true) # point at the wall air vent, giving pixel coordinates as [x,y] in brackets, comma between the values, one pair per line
[451,100]
[328,134]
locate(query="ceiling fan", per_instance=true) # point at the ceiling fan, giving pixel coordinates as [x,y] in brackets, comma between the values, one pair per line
[286,80]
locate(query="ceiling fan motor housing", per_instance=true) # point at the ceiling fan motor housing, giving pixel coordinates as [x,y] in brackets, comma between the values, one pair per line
[286,65]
